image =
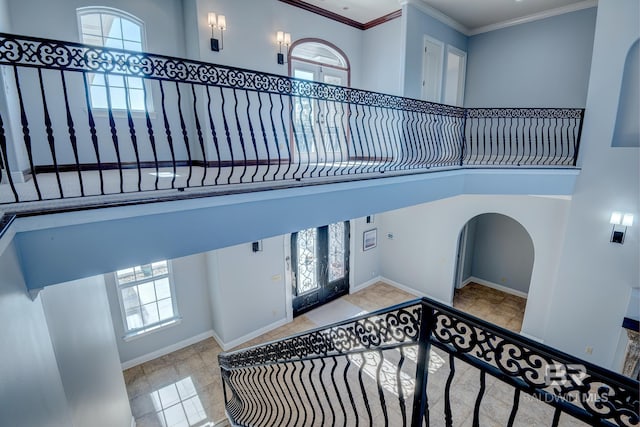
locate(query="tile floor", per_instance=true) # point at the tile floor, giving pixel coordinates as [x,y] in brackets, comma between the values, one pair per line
[489,304]
[184,388]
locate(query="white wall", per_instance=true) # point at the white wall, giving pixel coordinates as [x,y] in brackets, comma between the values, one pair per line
[80,328]
[423,252]
[366,265]
[247,289]
[544,63]
[595,276]
[502,252]
[31,392]
[381,58]
[192,296]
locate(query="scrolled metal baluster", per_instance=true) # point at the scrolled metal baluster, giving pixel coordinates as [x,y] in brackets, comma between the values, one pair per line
[295,149]
[363,390]
[71,130]
[167,130]
[344,148]
[383,403]
[338,145]
[252,134]
[114,131]
[285,133]
[556,417]
[26,133]
[349,392]
[514,407]
[264,140]
[227,135]
[315,392]
[214,135]
[448,418]
[4,161]
[476,408]
[185,134]
[390,154]
[321,130]
[134,141]
[49,132]
[337,392]
[196,116]
[152,138]
[92,131]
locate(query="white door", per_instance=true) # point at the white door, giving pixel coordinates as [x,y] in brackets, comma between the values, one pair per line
[319,124]
[432,70]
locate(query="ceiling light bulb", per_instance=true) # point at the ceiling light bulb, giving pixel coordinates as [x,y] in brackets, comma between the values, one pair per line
[222,22]
[627,220]
[287,39]
[280,36]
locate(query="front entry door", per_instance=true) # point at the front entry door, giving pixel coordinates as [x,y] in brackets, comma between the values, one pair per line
[321,265]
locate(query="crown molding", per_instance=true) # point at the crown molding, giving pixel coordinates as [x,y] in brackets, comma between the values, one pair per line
[342,19]
[435,13]
[585,4]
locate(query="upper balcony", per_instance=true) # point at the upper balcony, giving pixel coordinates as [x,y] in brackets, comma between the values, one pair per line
[83,125]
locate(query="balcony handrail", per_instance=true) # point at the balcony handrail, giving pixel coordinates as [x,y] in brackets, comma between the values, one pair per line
[65,134]
[585,391]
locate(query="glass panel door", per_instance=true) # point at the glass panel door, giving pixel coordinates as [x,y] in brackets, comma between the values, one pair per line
[321,265]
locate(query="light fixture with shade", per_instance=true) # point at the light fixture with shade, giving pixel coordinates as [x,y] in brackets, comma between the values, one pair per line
[282,38]
[220,22]
[623,220]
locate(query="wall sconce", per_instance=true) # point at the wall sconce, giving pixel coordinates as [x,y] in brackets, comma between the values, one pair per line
[624,220]
[217,21]
[282,38]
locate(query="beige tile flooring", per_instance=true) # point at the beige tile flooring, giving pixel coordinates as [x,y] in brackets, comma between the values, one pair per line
[489,304]
[185,387]
[162,387]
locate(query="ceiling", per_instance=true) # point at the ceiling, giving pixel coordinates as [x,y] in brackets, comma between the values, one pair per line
[471,14]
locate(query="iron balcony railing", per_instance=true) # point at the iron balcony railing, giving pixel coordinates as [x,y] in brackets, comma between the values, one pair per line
[79,120]
[420,363]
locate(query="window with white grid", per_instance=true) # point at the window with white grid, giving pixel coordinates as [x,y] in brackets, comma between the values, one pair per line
[115,29]
[147,297]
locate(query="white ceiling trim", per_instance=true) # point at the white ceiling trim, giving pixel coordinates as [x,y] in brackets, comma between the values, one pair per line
[434,13]
[445,19]
[585,4]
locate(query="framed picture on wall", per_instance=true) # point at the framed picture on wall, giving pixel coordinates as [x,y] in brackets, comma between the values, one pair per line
[370,239]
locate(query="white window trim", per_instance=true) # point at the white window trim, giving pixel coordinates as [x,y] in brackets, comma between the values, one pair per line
[462,76]
[159,326]
[119,112]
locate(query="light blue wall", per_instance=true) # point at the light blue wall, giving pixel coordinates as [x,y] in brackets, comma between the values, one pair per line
[417,25]
[56,253]
[4,16]
[381,58]
[468,255]
[545,63]
[503,252]
[627,132]
[85,347]
[192,296]
[31,391]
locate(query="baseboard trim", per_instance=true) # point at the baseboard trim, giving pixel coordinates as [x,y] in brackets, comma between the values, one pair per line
[412,291]
[496,286]
[366,284]
[166,350]
[226,346]
[532,337]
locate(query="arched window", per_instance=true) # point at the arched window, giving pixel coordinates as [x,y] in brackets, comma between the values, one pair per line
[320,61]
[113,28]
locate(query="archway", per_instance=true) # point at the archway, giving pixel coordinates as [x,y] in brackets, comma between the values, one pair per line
[493,271]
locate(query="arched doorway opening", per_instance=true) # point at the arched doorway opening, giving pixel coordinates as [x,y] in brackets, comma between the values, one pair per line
[493,272]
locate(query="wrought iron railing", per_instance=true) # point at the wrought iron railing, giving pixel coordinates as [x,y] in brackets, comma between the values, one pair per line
[420,363]
[79,120]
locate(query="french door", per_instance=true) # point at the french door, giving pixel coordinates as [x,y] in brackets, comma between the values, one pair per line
[320,259]
[318,124]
